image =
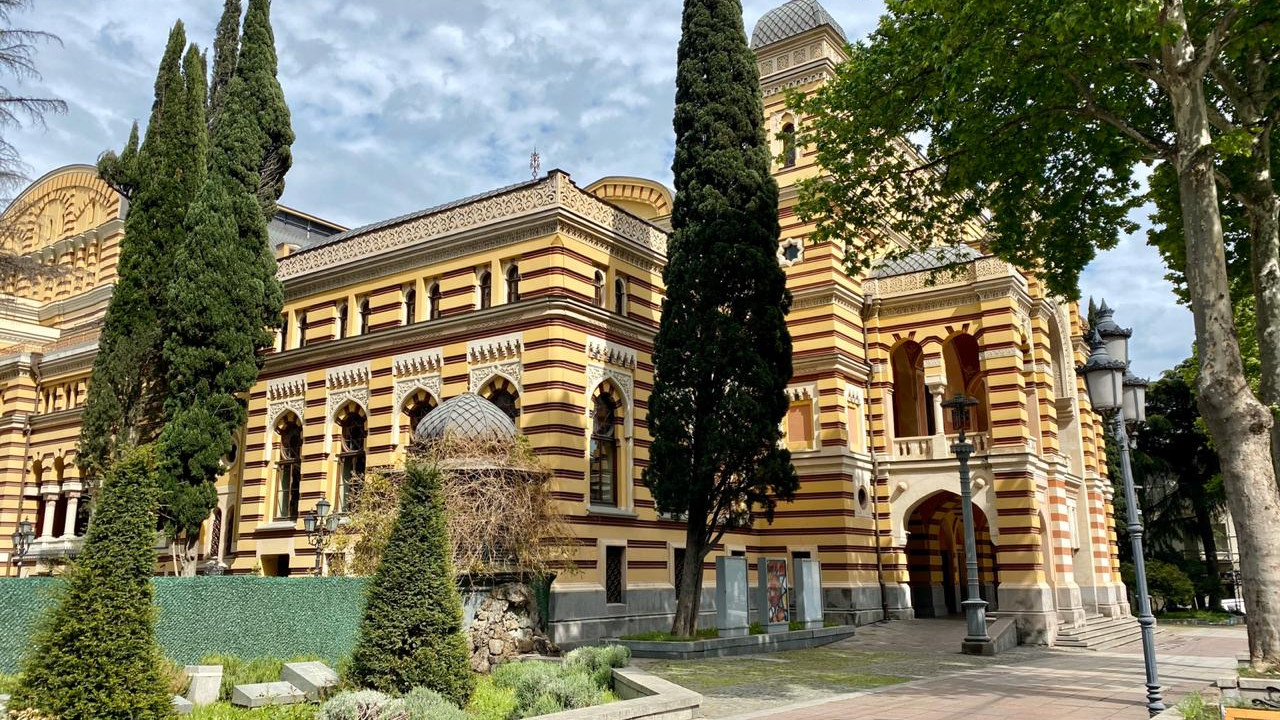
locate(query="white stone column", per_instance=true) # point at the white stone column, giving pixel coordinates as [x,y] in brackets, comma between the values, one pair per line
[50,508]
[69,520]
[938,391]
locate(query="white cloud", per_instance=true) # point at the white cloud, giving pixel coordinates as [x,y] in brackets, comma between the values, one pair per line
[399,106]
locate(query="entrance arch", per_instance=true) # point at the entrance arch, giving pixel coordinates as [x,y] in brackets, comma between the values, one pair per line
[936,560]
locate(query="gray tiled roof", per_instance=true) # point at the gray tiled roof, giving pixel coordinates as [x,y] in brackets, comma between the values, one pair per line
[467,417]
[931,259]
[321,242]
[790,20]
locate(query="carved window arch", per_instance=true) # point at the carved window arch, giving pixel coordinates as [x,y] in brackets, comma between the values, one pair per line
[433,302]
[365,315]
[342,319]
[353,438]
[598,284]
[620,295]
[302,329]
[788,136]
[506,395]
[414,409]
[410,306]
[513,283]
[288,465]
[604,453]
[484,289]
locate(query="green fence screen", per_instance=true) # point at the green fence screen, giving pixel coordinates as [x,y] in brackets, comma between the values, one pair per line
[247,616]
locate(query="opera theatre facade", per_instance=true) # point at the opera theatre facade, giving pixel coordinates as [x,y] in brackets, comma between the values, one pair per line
[544,297]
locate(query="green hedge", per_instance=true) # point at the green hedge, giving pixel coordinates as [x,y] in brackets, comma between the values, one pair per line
[247,616]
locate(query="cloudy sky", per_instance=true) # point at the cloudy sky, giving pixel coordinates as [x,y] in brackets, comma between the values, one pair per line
[400,105]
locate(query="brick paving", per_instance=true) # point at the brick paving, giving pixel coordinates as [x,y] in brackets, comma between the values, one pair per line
[1034,683]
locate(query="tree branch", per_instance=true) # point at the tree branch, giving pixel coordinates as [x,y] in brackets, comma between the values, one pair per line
[1217,38]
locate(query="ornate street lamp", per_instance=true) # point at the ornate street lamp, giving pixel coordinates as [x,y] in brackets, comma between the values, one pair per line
[1120,396]
[22,539]
[320,525]
[975,608]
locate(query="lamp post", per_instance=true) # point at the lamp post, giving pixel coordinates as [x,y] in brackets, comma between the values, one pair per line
[320,525]
[22,539]
[975,608]
[1119,396]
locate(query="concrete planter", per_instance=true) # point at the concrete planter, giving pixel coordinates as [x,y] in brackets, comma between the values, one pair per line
[644,697]
[745,645]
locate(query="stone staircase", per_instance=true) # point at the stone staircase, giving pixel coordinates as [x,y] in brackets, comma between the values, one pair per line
[1100,633]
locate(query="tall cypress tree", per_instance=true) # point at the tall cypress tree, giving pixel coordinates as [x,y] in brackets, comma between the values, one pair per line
[94,656]
[722,355]
[128,385]
[225,298]
[226,46]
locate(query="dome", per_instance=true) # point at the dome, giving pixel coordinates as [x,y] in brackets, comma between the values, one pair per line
[467,417]
[934,258]
[790,20]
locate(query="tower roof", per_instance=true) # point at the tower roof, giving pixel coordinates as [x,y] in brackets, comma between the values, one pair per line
[791,19]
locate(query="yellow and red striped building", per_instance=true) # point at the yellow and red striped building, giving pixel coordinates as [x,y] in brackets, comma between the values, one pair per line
[544,297]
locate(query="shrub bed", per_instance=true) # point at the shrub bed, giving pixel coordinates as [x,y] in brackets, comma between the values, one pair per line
[513,691]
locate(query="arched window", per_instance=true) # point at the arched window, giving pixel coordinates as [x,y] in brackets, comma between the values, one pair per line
[513,283]
[342,319]
[433,302]
[620,296]
[288,467]
[364,316]
[302,329]
[911,416]
[598,282]
[416,408]
[507,402]
[484,289]
[410,306]
[604,452]
[351,455]
[284,332]
[788,145]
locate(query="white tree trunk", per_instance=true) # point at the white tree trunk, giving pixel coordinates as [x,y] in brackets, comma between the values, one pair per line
[1239,424]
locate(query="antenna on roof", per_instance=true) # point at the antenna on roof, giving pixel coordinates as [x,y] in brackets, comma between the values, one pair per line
[535,163]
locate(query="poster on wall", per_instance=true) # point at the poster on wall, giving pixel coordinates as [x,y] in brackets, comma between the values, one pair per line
[776,569]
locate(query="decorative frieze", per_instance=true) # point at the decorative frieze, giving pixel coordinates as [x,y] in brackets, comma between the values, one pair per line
[286,394]
[417,371]
[802,392]
[853,395]
[494,349]
[345,376]
[419,363]
[999,353]
[603,351]
[554,190]
[597,373]
[347,383]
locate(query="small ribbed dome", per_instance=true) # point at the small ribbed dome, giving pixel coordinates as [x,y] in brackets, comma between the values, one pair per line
[467,417]
[790,20]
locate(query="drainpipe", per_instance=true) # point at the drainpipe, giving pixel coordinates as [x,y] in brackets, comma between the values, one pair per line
[875,504]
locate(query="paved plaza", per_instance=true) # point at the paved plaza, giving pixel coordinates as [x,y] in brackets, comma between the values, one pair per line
[912,670]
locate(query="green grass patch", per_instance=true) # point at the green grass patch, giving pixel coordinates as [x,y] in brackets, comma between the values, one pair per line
[241,671]
[227,711]
[1246,671]
[1194,707]
[1205,615]
[8,684]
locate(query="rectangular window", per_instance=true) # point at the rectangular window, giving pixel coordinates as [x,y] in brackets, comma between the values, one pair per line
[615,556]
[800,425]
[290,483]
[737,553]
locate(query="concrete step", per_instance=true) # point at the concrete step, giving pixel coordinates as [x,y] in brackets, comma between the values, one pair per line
[1099,633]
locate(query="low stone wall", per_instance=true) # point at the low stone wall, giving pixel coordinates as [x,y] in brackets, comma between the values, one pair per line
[745,645]
[644,697]
[505,626]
